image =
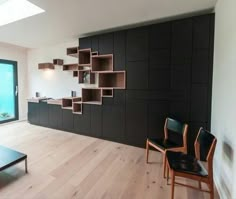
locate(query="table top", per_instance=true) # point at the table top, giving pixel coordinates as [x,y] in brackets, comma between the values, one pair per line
[9,157]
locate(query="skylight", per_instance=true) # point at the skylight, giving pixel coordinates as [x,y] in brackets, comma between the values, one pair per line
[14,10]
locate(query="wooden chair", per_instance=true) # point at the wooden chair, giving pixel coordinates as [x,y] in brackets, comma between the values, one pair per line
[187,166]
[166,143]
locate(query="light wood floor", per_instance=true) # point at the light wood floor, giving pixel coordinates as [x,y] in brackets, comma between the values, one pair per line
[63,165]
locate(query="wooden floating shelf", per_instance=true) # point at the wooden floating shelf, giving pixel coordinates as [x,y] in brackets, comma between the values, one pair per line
[107,92]
[92,96]
[70,67]
[43,66]
[115,79]
[58,62]
[73,51]
[86,77]
[102,63]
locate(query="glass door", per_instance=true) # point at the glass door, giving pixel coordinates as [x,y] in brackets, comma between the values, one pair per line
[8,91]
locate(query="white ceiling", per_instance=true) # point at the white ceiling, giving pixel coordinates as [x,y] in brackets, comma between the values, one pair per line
[66,20]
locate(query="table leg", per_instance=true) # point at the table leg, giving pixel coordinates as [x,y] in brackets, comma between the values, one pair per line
[26,166]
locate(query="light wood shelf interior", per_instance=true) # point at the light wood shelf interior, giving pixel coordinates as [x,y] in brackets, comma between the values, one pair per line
[43,66]
[67,103]
[115,79]
[70,67]
[102,63]
[107,92]
[86,77]
[77,108]
[92,96]
[85,57]
[58,62]
[73,51]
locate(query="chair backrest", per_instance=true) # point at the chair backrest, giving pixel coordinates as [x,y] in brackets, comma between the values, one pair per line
[176,127]
[204,145]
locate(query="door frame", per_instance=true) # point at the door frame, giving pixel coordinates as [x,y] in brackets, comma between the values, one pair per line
[15,88]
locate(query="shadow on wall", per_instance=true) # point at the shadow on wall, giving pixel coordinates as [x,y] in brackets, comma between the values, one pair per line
[226,179]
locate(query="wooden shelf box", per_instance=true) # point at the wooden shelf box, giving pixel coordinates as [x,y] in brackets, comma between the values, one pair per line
[115,79]
[92,96]
[58,62]
[107,92]
[85,57]
[86,77]
[67,103]
[77,108]
[43,66]
[73,51]
[70,67]
[102,63]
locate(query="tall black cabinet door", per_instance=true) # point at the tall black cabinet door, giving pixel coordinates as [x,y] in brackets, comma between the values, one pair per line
[96,121]
[136,124]
[82,122]
[33,113]
[55,116]
[67,120]
[106,43]
[85,42]
[43,114]
[137,44]
[119,50]
[113,122]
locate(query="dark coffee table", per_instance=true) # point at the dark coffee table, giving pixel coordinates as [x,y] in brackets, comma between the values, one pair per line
[9,157]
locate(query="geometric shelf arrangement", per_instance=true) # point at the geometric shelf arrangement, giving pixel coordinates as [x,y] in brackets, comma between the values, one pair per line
[90,65]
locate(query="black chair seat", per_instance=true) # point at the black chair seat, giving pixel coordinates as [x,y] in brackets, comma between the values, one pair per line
[163,144]
[184,163]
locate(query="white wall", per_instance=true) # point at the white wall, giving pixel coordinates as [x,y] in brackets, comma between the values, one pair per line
[15,53]
[52,83]
[224,97]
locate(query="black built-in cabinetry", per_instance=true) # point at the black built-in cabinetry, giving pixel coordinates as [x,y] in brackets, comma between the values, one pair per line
[168,73]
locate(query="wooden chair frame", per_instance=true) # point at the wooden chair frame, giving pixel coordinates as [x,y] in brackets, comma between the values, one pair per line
[208,179]
[178,149]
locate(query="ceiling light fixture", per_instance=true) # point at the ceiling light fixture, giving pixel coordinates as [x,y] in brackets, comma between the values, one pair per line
[15,10]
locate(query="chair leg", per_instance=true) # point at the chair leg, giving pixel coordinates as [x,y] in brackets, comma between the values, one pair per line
[147,151]
[164,165]
[211,189]
[199,185]
[172,184]
[167,177]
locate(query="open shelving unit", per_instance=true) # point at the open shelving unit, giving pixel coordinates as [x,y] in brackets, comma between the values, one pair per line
[43,66]
[67,103]
[85,57]
[114,79]
[77,107]
[72,67]
[73,51]
[86,77]
[58,62]
[92,96]
[107,92]
[102,63]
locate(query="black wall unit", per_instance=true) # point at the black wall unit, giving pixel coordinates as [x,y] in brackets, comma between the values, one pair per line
[43,114]
[169,73]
